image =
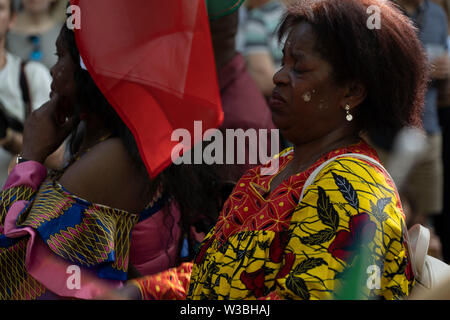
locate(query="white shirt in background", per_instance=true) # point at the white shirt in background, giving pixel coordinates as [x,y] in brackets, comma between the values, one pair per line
[39,81]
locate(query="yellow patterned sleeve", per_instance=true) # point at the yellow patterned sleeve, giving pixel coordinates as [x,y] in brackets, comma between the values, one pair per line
[346,238]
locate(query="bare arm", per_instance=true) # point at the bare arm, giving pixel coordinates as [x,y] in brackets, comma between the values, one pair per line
[12,142]
[55,161]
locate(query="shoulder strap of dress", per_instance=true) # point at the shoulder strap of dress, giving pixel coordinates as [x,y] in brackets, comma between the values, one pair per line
[314,174]
[371,160]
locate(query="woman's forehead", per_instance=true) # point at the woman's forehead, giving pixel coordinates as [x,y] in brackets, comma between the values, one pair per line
[301,40]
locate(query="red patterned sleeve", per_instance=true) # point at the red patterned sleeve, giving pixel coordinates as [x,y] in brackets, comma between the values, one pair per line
[172,284]
[273,295]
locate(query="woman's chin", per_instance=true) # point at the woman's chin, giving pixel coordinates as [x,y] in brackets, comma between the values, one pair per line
[280,122]
[284,131]
[277,119]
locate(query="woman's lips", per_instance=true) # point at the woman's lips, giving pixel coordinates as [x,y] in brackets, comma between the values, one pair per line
[276,100]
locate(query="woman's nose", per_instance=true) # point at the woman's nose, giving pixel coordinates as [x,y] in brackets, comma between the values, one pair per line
[281,76]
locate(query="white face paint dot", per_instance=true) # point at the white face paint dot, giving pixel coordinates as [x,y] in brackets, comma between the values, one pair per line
[307,97]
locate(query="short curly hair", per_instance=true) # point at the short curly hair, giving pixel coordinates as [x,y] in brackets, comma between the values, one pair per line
[390,61]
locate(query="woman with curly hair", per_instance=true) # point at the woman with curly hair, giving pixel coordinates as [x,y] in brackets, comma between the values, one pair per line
[279,237]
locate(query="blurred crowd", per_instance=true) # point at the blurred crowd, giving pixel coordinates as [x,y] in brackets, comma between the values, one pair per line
[419,161]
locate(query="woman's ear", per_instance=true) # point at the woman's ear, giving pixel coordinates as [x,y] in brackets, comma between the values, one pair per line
[356,93]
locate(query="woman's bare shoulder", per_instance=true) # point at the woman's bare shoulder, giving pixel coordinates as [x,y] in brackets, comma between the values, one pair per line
[107,175]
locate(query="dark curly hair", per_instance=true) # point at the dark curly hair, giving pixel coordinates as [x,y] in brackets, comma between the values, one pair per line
[195,188]
[389,61]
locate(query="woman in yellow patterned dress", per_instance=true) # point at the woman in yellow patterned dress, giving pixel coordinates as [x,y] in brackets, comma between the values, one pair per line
[342,78]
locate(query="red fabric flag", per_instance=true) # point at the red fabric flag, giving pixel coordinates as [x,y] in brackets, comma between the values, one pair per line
[153,60]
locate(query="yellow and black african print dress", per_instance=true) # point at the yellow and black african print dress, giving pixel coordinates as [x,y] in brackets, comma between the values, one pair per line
[345,239]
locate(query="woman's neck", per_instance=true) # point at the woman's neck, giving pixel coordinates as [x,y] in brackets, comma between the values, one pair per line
[95,132]
[307,153]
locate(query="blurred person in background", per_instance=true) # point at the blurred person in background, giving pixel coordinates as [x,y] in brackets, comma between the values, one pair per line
[243,104]
[59,10]
[24,86]
[424,186]
[262,50]
[240,35]
[443,221]
[33,35]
